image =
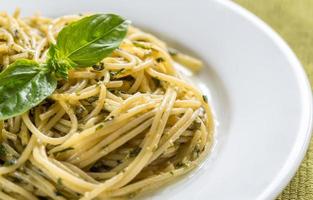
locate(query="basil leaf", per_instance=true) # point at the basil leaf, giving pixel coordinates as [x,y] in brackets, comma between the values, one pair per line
[23,85]
[89,40]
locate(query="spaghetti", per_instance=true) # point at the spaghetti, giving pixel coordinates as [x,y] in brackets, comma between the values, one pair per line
[126,125]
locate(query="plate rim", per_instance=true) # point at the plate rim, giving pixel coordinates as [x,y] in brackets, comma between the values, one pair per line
[302,141]
[292,164]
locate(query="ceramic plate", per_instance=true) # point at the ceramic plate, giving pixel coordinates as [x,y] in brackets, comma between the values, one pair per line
[259,91]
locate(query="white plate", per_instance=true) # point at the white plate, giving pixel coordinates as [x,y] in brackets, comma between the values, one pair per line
[260,94]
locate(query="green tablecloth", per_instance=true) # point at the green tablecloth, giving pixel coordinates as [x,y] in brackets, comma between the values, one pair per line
[293,20]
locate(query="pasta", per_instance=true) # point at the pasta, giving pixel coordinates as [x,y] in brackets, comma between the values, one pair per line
[125,125]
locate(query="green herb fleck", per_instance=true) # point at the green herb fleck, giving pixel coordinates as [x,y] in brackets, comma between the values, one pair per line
[195,125]
[135,152]
[59,183]
[114,74]
[10,162]
[196,151]
[157,82]
[132,195]
[59,186]
[100,127]
[92,99]
[58,193]
[15,33]
[79,111]
[3,151]
[172,51]
[66,149]
[109,119]
[98,67]
[205,98]
[141,45]
[159,60]
[180,165]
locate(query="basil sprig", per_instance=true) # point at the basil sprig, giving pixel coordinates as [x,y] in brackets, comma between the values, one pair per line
[25,83]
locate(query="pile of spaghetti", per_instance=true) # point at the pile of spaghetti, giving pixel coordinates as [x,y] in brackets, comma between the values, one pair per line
[128,124]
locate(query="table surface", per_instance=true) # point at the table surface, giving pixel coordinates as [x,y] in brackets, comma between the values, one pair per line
[293,20]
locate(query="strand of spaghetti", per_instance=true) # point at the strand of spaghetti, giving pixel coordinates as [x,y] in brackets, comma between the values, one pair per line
[114,84]
[187,104]
[193,144]
[136,163]
[100,103]
[163,54]
[4,34]
[60,127]
[47,124]
[22,159]
[16,57]
[206,138]
[40,48]
[105,128]
[81,74]
[99,134]
[49,113]
[174,134]
[86,159]
[176,81]
[140,36]
[144,156]
[146,64]
[92,121]
[139,77]
[6,184]
[17,124]
[68,179]
[77,87]
[132,124]
[37,120]
[29,31]
[137,98]
[69,111]
[102,175]
[44,185]
[53,177]
[39,134]
[144,86]
[118,66]
[152,138]
[43,56]
[181,83]
[80,172]
[4,196]
[146,183]
[4,48]
[113,172]
[83,94]
[15,28]
[24,135]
